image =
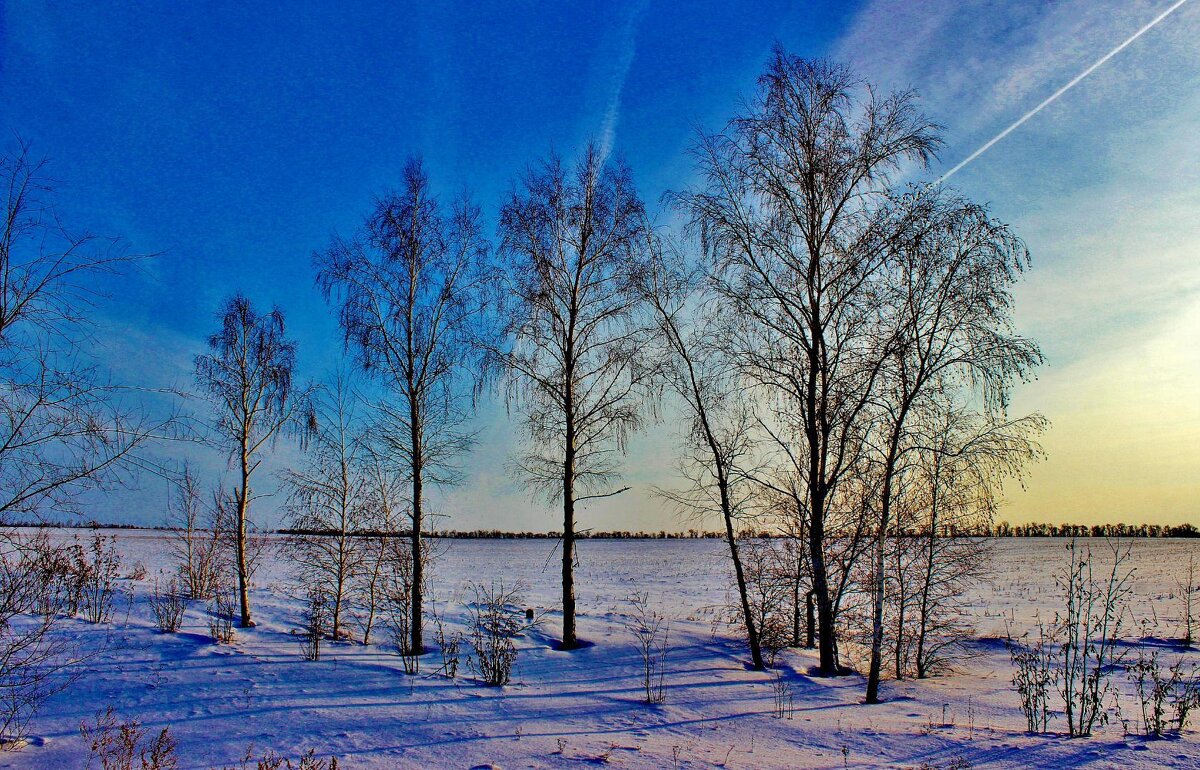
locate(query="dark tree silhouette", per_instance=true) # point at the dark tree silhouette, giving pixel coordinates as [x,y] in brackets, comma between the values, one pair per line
[947,324]
[795,211]
[248,377]
[718,441]
[411,288]
[573,243]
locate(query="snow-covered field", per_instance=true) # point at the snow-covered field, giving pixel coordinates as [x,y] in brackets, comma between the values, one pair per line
[583,708]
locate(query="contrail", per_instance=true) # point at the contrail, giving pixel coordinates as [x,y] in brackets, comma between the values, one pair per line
[1061,91]
[612,114]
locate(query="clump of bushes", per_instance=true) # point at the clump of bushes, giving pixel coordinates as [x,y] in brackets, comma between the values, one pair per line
[496,620]
[127,745]
[168,606]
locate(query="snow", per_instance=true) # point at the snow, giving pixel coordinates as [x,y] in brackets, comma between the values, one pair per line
[582,708]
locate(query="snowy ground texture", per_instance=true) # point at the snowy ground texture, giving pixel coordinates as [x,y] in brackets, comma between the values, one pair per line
[582,708]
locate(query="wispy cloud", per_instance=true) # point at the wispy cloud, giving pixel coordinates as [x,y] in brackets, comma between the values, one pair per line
[621,64]
[1062,90]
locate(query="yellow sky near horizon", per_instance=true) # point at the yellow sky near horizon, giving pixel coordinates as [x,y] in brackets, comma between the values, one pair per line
[1104,186]
[1124,444]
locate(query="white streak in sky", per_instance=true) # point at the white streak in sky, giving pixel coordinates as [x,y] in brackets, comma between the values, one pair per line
[1062,90]
[608,126]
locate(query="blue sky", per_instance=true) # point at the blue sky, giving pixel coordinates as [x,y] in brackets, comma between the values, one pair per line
[236,140]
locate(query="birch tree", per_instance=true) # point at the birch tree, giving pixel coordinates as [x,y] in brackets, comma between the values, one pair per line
[947,324]
[411,288]
[718,443]
[195,537]
[248,375]
[328,501]
[795,210]
[573,242]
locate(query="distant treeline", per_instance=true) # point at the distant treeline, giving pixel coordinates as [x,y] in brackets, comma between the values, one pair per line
[496,534]
[1002,529]
[1037,529]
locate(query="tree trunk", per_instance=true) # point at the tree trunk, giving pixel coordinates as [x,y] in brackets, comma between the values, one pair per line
[756,657]
[243,504]
[889,473]
[796,604]
[900,608]
[877,579]
[923,626]
[371,588]
[417,642]
[340,582]
[569,639]
[826,639]
[810,640]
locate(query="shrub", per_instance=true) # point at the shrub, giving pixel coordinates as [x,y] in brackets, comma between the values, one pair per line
[652,632]
[126,746]
[36,660]
[272,761]
[220,616]
[1034,677]
[1089,627]
[168,607]
[450,647]
[1159,690]
[497,618]
[783,697]
[98,569]
[1079,654]
[315,625]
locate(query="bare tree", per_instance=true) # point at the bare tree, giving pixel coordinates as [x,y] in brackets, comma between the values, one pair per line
[574,241]
[383,563]
[718,438]
[961,462]
[947,323]
[328,502]
[64,430]
[796,212]
[195,538]
[248,376]
[412,287]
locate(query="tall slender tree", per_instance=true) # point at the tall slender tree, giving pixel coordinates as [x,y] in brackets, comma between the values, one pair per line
[795,210]
[719,441]
[947,323]
[573,240]
[329,500]
[248,375]
[412,287]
